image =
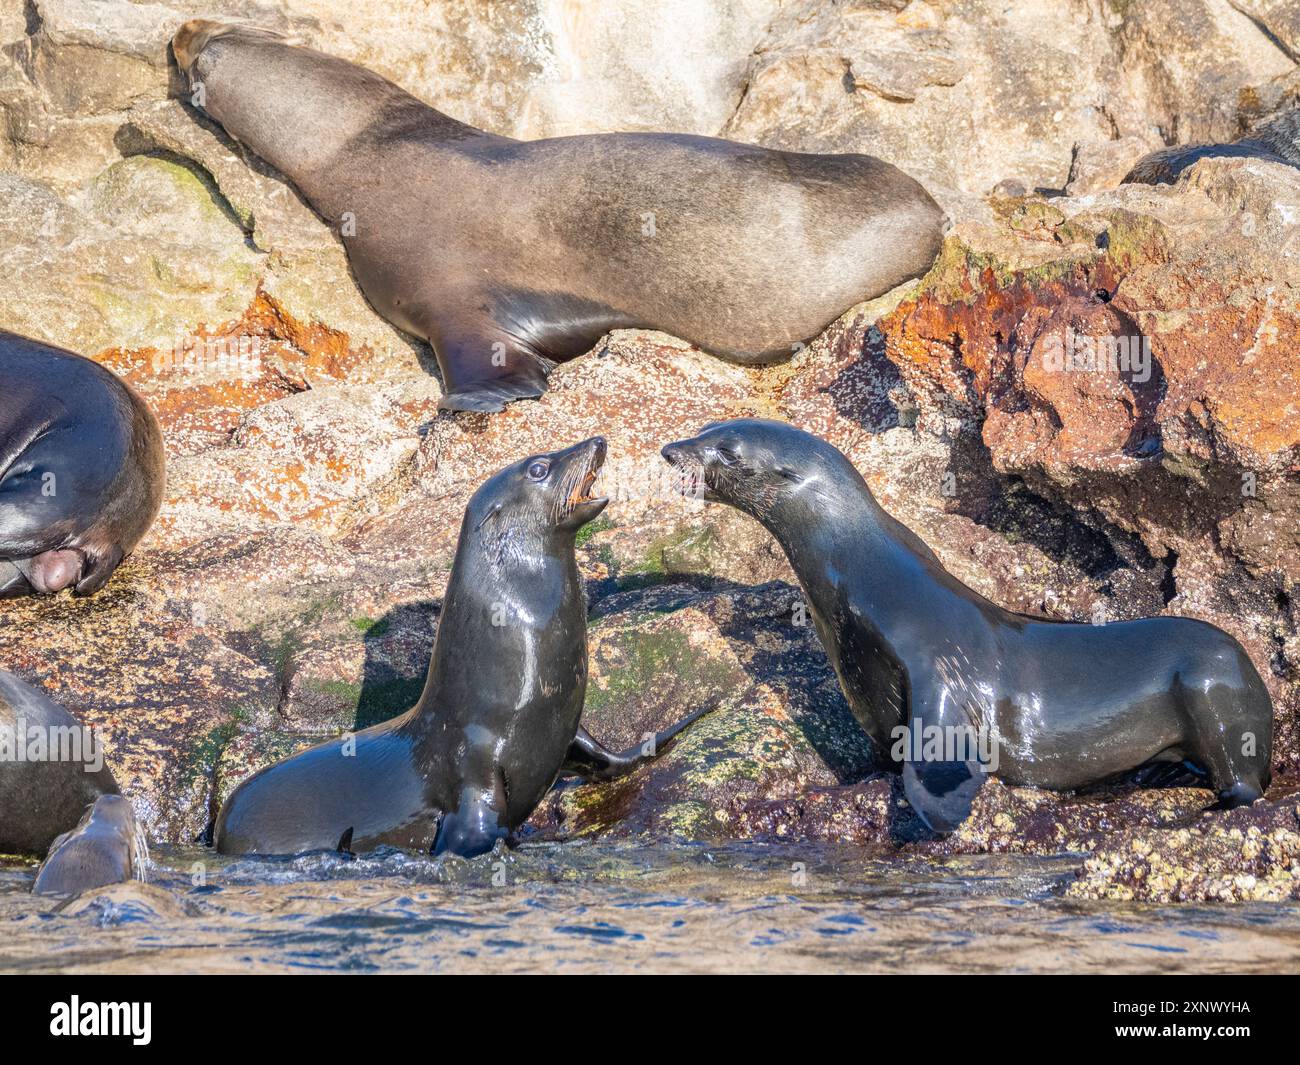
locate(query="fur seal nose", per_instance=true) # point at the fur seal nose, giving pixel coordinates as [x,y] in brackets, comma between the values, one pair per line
[674,453]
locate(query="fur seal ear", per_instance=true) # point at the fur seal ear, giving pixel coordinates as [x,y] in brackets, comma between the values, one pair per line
[493,511]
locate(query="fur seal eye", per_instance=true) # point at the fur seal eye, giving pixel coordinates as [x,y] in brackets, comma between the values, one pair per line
[727,456]
[539,469]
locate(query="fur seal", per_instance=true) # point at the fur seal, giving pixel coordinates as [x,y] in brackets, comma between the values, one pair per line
[1066,704]
[1277,141]
[106,847]
[498,718]
[81,470]
[57,796]
[510,256]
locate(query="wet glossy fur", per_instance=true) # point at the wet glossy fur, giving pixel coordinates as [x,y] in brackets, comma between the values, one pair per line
[1073,704]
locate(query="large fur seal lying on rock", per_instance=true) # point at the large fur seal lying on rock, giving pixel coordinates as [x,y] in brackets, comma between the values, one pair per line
[975,687]
[509,256]
[81,470]
[1277,141]
[56,795]
[498,719]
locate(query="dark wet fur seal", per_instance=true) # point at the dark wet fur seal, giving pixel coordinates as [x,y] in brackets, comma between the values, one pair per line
[61,803]
[40,800]
[1073,704]
[510,256]
[498,719]
[1277,141]
[82,470]
[106,847]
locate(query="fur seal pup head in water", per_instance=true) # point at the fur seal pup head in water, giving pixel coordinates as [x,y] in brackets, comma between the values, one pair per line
[510,256]
[498,719]
[81,470]
[1277,141]
[1042,703]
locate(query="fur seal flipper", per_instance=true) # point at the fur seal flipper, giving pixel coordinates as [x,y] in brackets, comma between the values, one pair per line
[954,687]
[591,760]
[509,256]
[500,711]
[81,470]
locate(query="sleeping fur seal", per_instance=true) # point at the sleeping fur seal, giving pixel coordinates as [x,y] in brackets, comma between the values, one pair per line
[1066,704]
[510,256]
[81,470]
[498,719]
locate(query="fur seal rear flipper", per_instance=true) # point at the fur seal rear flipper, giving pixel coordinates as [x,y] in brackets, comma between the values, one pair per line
[500,711]
[954,687]
[82,470]
[510,256]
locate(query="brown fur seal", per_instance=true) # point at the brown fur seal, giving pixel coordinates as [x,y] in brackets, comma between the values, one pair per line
[498,720]
[1277,141]
[509,256]
[81,470]
[974,688]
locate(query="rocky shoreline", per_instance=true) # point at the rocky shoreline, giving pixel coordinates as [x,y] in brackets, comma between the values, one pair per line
[290,587]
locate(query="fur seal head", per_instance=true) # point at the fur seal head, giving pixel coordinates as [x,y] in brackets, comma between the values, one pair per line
[543,497]
[107,846]
[198,33]
[758,466]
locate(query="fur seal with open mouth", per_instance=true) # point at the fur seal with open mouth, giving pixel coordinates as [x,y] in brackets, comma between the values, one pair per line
[510,256]
[82,470]
[1063,705]
[498,719]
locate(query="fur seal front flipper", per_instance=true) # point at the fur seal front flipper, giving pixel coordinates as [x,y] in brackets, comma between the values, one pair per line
[82,470]
[501,706]
[510,256]
[951,686]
